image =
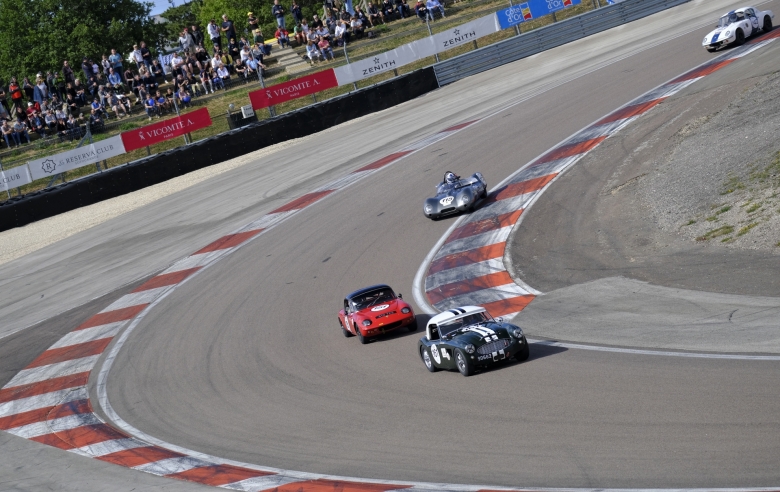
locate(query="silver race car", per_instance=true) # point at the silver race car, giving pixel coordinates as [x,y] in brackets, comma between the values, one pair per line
[455,195]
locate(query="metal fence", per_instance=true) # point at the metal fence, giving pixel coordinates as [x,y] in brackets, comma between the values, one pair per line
[547,37]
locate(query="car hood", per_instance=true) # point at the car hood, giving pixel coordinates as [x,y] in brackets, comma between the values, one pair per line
[717,33]
[382,308]
[478,334]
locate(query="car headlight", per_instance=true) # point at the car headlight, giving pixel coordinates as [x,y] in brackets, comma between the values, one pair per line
[727,33]
[405,310]
[518,333]
[705,40]
[428,209]
[366,322]
[470,348]
[465,199]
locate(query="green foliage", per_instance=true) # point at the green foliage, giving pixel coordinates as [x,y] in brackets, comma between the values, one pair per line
[37,35]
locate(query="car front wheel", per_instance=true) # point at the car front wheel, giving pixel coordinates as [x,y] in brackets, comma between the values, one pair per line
[426,358]
[740,38]
[464,365]
[767,24]
[344,330]
[363,339]
[522,356]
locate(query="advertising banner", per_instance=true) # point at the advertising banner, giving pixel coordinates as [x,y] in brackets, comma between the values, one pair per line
[293,89]
[383,62]
[166,129]
[532,9]
[14,178]
[72,159]
[466,33]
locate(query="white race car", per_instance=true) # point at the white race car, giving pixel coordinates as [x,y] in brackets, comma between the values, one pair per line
[738,25]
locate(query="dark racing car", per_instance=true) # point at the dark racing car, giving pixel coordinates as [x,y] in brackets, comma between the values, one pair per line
[468,338]
[455,195]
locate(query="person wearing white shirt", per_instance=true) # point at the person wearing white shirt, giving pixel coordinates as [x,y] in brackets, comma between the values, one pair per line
[433,6]
[223,73]
[313,52]
[137,56]
[214,33]
[245,54]
[176,63]
[216,61]
[341,34]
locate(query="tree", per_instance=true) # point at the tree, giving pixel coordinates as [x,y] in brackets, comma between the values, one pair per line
[38,35]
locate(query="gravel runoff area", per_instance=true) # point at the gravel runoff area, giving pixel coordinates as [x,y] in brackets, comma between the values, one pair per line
[721,179]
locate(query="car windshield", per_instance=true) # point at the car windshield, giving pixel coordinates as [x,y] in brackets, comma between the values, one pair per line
[450,326]
[447,187]
[727,19]
[372,298]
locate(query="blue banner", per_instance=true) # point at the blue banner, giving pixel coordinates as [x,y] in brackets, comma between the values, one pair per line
[532,9]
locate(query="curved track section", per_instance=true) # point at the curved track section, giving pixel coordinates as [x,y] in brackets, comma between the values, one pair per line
[237,362]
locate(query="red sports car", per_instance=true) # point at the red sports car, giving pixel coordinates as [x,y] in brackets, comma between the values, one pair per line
[374,311]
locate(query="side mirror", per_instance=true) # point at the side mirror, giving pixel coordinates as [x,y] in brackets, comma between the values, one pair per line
[500,319]
[400,296]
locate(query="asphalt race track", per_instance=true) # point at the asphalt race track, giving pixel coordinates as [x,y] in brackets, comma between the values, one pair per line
[246,360]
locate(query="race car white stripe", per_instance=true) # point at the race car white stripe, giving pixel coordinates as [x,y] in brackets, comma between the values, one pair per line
[89,334]
[66,368]
[22,405]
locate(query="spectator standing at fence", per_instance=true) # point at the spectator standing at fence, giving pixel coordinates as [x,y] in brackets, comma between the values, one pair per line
[214,33]
[116,61]
[296,12]
[434,6]
[228,28]
[278,12]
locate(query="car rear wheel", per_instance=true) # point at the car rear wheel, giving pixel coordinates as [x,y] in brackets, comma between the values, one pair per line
[464,365]
[767,24]
[426,358]
[344,330]
[740,38]
[522,356]
[363,339]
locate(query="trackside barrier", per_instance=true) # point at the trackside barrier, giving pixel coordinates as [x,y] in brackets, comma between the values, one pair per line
[548,37]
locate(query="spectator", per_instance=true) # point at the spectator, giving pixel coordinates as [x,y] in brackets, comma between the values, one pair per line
[191,62]
[216,79]
[157,70]
[150,82]
[192,83]
[323,32]
[313,52]
[27,87]
[138,58]
[96,107]
[73,107]
[345,15]
[312,36]
[86,68]
[434,6]
[96,122]
[300,37]
[116,61]
[257,53]
[233,49]
[114,78]
[214,33]
[17,95]
[228,28]
[116,105]
[186,42]
[170,97]
[402,7]
[184,96]
[20,128]
[224,74]
[316,23]
[4,97]
[282,36]
[374,15]
[387,10]
[216,60]
[9,134]
[201,55]
[146,55]
[161,103]
[330,23]
[227,60]
[67,72]
[197,35]
[246,54]
[38,125]
[258,35]
[95,69]
[51,120]
[254,66]
[278,12]
[32,108]
[128,76]
[4,113]
[296,12]
[342,34]
[40,91]
[72,129]
[240,69]
[79,93]
[205,81]
[361,16]
[357,27]
[329,6]
[252,22]
[325,49]
[176,63]
[136,85]
[92,86]
[106,65]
